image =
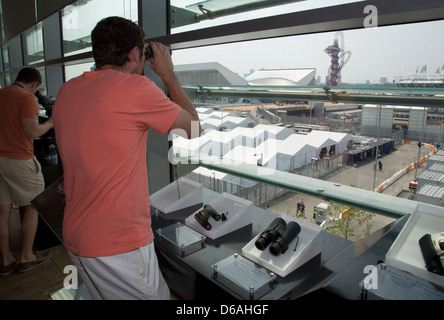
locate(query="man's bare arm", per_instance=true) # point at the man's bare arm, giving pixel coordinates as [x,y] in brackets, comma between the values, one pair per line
[33,129]
[163,66]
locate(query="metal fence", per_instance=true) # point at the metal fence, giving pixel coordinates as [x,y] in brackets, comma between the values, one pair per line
[260,193]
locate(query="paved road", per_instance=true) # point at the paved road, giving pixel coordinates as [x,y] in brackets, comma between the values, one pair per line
[362,176]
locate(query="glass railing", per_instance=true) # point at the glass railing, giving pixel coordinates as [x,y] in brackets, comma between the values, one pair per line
[401,96]
[383,204]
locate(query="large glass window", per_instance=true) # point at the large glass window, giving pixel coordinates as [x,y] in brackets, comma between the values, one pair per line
[79,20]
[379,56]
[5,51]
[194,14]
[44,85]
[2,35]
[33,45]
[73,71]
[257,99]
[249,116]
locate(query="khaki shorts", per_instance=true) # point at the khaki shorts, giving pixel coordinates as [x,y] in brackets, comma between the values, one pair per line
[20,181]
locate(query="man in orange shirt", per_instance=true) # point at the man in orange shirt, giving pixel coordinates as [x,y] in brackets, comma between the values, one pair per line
[101,121]
[21,179]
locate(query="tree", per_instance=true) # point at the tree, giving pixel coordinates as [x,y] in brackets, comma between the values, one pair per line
[347,222]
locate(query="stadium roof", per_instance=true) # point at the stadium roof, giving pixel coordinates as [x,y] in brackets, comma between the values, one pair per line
[230,76]
[283,77]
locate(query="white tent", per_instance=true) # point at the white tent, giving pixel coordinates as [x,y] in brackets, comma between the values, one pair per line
[269,146]
[217,143]
[253,137]
[297,148]
[228,122]
[340,140]
[210,124]
[217,180]
[262,155]
[183,148]
[242,154]
[202,110]
[275,132]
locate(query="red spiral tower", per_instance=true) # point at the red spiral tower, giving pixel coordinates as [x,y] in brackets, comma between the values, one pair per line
[339,57]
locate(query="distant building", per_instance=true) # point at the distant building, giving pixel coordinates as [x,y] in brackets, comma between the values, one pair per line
[409,119]
[412,82]
[422,79]
[210,73]
[283,77]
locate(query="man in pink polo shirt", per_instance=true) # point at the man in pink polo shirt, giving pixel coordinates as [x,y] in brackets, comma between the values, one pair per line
[101,121]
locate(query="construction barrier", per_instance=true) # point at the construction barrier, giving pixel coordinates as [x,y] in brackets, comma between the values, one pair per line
[407,169]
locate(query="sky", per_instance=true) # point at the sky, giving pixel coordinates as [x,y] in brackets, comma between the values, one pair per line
[375,52]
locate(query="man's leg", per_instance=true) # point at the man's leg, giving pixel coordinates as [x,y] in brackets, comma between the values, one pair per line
[5,252]
[93,291]
[29,259]
[29,218]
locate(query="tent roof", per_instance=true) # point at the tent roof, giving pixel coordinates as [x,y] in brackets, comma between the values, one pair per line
[280,77]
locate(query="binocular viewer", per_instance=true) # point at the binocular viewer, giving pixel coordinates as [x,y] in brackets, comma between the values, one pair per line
[278,235]
[46,102]
[204,215]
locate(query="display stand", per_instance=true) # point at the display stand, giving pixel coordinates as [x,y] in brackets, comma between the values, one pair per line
[405,253]
[180,194]
[238,213]
[180,239]
[243,277]
[394,284]
[306,246]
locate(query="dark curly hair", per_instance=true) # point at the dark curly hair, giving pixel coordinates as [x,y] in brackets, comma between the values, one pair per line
[113,38]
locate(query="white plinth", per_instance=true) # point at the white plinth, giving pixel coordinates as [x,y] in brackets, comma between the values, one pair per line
[309,245]
[405,253]
[178,195]
[239,215]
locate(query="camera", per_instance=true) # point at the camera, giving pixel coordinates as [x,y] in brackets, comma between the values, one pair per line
[432,249]
[278,235]
[46,102]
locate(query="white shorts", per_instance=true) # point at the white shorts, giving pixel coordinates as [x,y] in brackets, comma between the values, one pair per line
[127,276]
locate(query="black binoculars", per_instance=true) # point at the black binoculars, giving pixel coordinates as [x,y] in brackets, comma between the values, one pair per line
[203,215]
[278,235]
[149,52]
